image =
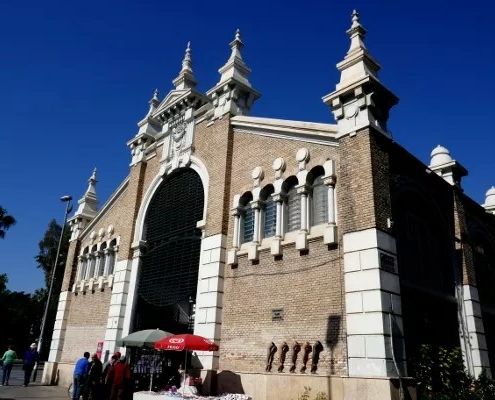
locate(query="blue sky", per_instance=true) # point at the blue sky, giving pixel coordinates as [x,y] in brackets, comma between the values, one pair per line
[75,78]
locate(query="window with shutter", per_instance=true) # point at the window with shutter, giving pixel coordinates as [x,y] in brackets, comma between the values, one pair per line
[248,215]
[269,211]
[293,210]
[103,259]
[320,202]
[270,215]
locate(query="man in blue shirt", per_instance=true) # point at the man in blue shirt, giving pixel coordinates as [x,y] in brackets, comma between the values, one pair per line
[80,371]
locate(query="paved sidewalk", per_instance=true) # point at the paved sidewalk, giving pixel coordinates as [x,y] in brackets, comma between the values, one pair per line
[15,390]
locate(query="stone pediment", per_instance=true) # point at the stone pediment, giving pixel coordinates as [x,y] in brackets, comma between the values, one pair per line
[179,99]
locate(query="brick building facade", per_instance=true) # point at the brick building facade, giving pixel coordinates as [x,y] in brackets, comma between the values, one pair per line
[269,231]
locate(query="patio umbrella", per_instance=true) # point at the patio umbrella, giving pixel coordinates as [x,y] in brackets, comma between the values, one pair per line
[145,338]
[186,341]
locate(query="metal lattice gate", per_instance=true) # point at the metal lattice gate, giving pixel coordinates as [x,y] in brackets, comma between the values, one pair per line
[170,262]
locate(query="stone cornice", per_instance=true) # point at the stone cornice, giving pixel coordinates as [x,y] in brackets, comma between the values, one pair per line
[285,129]
[108,204]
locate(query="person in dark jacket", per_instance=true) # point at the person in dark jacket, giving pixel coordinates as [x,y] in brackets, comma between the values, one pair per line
[30,357]
[93,379]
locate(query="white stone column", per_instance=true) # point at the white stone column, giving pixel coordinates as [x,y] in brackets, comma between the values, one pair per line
[118,302]
[473,341]
[209,297]
[302,236]
[330,234]
[253,252]
[237,228]
[276,244]
[373,304]
[57,342]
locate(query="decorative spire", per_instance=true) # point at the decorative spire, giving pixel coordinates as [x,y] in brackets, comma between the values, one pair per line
[154,102]
[442,163]
[233,92]
[356,33]
[360,99]
[186,79]
[490,200]
[236,45]
[88,203]
[235,68]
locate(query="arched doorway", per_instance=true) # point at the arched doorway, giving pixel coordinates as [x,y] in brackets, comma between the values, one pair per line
[169,264]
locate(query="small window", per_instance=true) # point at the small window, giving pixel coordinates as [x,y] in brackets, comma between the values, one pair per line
[247,214]
[293,204]
[320,201]
[111,257]
[269,210]
[103,259]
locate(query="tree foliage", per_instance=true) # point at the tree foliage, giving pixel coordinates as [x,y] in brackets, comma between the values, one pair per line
[441,375]
[19,312]
[6,221]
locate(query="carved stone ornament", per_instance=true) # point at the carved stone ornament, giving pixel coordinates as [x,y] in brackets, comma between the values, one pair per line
[179,131]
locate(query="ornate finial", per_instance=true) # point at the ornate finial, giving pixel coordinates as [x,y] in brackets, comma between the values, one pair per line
[236,45]
[186,63]
[92,179]
[155,95]
[355,17]
[186,80]
[357,33]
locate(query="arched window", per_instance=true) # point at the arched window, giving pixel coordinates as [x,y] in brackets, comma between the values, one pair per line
[83,264]
[292,204]
[92,263]
[103,259]
[247,215]
[111,257]
[319,197]
[269,211]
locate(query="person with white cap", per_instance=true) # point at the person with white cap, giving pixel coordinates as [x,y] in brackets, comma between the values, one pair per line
[30,357]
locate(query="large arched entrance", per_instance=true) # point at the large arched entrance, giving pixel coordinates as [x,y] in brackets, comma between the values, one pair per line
[170,261]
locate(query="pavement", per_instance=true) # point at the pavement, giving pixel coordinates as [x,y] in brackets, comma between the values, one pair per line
[15,390]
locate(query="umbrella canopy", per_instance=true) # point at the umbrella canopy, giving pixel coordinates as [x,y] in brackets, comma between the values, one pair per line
[186,341]
[145,338]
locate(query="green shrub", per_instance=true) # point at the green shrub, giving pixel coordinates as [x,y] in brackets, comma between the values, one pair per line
[441,375]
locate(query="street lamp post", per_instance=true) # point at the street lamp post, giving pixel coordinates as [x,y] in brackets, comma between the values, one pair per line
[65,199]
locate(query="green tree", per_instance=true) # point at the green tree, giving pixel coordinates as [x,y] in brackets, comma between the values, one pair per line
[6,221]
[46,261]
[19,311]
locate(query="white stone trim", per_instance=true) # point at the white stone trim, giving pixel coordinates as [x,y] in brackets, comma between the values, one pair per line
[472,333]
[118,302]
[209,296]
[59,329]
[196,165]
[372,302]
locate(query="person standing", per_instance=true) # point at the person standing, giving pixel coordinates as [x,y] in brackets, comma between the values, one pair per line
[107,383]
[80,372]
[8,362]
[120,375]
[30,357]
[93,380]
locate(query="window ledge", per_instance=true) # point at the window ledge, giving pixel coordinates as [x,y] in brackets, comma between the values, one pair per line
[91,284]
